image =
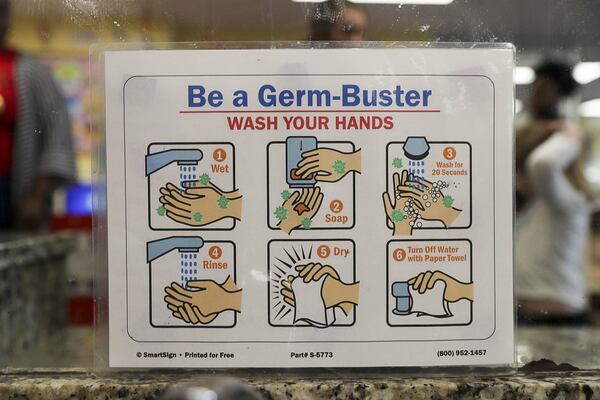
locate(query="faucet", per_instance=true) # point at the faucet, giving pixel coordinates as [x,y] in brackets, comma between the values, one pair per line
[400,290]
[160,247]
[416,147]
[156,161]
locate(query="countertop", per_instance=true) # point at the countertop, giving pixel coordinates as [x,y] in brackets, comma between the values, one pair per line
[78,385]
[575,350]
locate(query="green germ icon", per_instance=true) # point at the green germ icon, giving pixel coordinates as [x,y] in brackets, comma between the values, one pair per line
[397,163]
[281,213]
[197,216]
[161,211]
[286,194]
[397,216]
[204,179]
[223,202]
[339,167]
[306,222]
[448,201]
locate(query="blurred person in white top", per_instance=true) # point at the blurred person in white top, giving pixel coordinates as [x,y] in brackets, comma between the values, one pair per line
[554,205]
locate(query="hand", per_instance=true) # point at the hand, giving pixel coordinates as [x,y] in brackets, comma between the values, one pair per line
[201,205]
[332,165]
[334,292]
[570,129]
[206,302]
[427,199]
[298,209]
[454,290]
[191,314]
[402,218]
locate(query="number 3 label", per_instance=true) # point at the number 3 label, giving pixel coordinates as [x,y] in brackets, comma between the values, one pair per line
[449,153]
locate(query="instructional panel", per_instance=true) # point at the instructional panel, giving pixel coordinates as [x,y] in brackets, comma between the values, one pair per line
[311,185]
[191,186]
[309,208]
[430,283]
[430,183]
[312,283]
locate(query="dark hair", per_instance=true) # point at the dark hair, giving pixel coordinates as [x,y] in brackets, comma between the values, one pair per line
[560,73]
[325,15]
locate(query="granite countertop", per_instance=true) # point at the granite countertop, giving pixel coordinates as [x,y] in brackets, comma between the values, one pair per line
[78,385]
[575,350]
[20,248]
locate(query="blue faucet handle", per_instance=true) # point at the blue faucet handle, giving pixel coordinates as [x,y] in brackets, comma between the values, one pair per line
[400,289]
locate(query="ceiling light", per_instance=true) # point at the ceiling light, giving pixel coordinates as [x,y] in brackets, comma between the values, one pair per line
[589,109]
[585,72]
[523,75]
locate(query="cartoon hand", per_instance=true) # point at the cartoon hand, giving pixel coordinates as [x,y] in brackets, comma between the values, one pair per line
[332,165]
[190,314]
[298,210]
[201,205]
[427,198]
[400,215]
[454,291]
[206,299]
[334,291]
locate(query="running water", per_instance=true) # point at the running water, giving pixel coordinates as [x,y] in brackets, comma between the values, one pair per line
[189,267]
[417,174]
[186,173]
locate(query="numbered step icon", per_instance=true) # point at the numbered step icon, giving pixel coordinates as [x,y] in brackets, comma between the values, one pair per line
[429,185]
[191,186]
[192,284]
[429,283]
[312,283]
[311,184]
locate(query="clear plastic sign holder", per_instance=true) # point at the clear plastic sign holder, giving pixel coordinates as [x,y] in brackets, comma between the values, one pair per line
[322,209]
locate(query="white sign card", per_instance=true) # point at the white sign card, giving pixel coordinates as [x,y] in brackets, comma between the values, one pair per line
[310,207]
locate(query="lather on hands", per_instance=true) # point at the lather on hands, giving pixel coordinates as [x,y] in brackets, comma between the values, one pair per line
[427,197]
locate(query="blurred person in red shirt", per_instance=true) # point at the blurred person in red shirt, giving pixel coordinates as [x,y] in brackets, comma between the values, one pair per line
[36,146]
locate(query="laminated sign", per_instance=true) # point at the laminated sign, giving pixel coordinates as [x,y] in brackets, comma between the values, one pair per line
[309,207]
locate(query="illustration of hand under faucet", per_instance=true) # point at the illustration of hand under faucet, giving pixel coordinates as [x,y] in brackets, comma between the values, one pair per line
[299,209]
[204,300]
[334,292]
[199,205]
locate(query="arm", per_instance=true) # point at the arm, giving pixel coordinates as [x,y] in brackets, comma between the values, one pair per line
[56,154]
[546,167]
[55,161]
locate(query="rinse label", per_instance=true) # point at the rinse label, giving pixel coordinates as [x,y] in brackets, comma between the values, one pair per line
[293,207]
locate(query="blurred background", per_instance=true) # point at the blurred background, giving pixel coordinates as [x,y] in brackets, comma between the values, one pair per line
[59,33]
